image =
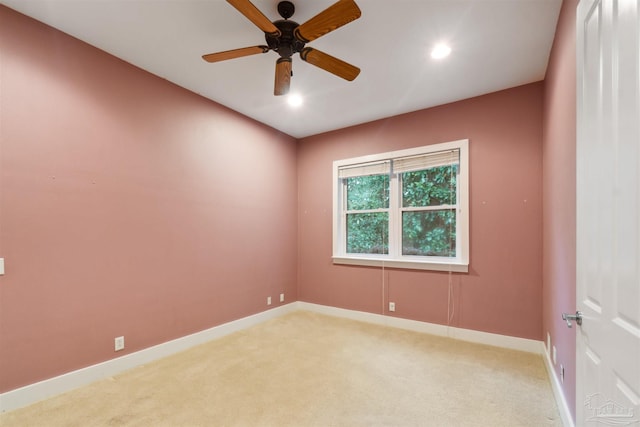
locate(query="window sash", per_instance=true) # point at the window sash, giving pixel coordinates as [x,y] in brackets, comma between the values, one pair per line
[382,244]
[428,208]
[359,211]
[434,242]
[455,191]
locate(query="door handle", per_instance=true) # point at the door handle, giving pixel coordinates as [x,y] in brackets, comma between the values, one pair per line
[569,317]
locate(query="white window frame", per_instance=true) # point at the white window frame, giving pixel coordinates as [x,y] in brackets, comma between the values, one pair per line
[395,259]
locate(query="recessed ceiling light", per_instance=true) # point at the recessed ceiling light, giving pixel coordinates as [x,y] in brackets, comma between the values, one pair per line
[294,100]
[440,51]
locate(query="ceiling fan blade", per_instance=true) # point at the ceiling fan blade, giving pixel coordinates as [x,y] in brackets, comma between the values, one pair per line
[329,63]
[254,15]
[283,76]
[333,17]
[235,53]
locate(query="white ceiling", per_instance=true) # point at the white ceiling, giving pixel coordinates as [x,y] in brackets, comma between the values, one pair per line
[497,44]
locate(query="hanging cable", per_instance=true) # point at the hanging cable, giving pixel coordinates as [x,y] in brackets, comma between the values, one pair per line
[387,196]
[383,290]
[451,308]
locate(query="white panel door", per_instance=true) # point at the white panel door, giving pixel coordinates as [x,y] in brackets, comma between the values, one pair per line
[608,213]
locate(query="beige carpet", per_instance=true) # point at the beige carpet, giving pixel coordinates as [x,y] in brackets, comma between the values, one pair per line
[306,369]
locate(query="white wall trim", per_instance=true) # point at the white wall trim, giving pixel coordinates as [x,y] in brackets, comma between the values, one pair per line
[563,407]
[496,340]
[514,343]
[36,392]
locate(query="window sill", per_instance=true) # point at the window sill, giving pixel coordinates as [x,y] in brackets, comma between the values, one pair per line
[456,267]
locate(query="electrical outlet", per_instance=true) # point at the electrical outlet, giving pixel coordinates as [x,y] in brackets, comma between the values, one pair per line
[281,297]
[119,343]
[561,374]
[553,355]
[392,306]
[268,300]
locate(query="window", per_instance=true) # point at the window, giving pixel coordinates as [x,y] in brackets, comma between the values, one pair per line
[405,209]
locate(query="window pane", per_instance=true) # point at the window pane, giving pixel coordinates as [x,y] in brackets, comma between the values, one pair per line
[430,187]
[368,192]
[368,233]
[429,233]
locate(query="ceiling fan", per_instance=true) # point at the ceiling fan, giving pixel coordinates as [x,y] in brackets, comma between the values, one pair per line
[288,37]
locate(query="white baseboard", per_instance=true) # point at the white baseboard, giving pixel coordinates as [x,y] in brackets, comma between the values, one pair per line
[514,343]
[496,340]
[33,393]
[563,407]
[36,392]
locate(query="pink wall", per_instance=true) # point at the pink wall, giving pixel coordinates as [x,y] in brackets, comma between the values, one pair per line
[502,293]
[120,210]
[559,196]
[120,213]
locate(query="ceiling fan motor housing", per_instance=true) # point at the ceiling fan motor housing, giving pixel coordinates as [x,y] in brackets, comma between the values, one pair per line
[286,44]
